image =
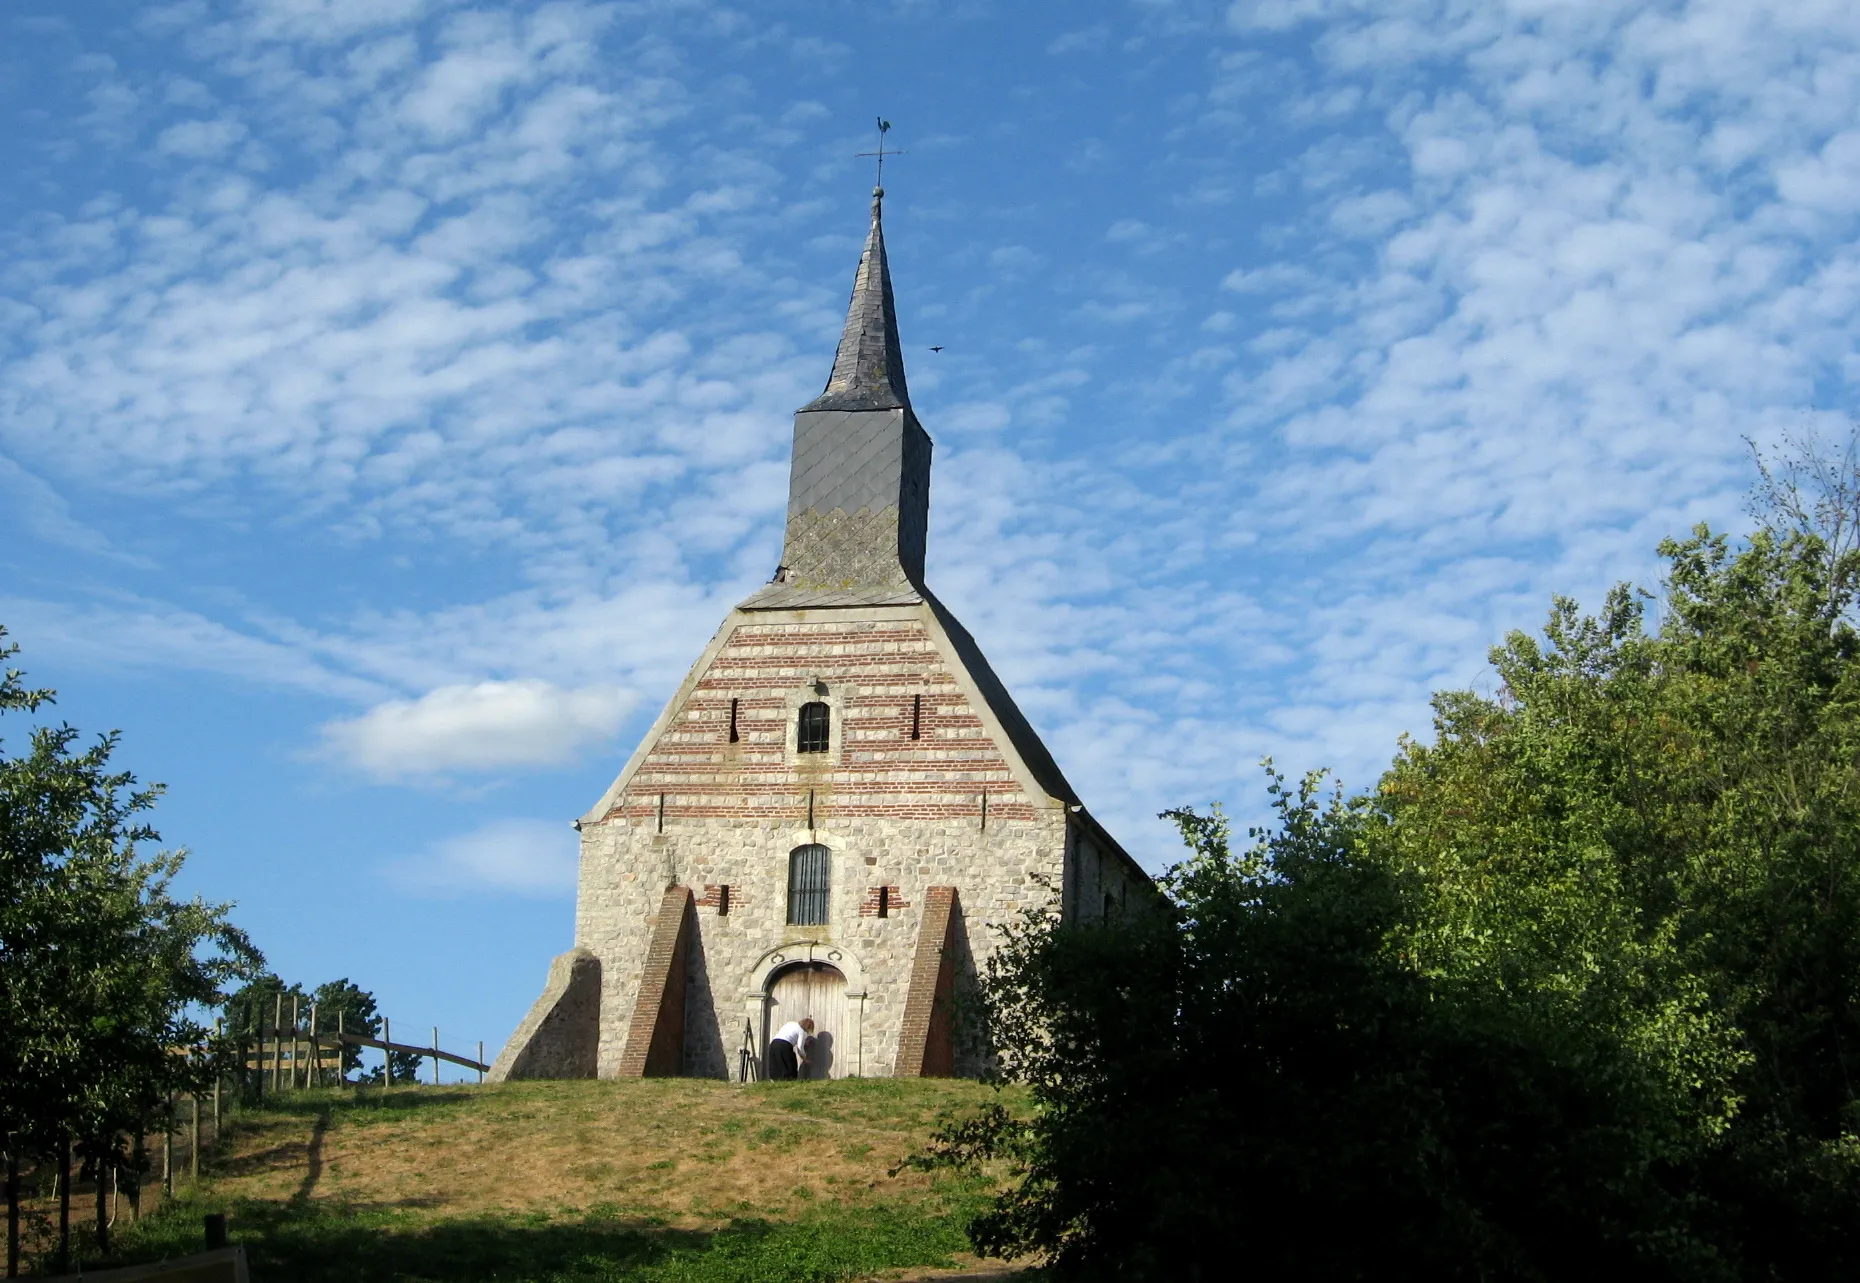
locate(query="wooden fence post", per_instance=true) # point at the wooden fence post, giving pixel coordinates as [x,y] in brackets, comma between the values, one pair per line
[313,1072]
[481,1061]
[277,1035]
[193,1152]
[435,1055]
[167,1148]
[387,1057]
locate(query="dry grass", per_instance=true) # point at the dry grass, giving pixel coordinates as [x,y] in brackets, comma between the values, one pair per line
[688,1153]
[679,1180]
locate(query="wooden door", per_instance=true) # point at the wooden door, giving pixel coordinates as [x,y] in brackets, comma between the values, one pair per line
[817,990]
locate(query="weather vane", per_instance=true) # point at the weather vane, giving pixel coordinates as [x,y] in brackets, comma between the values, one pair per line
[884,127]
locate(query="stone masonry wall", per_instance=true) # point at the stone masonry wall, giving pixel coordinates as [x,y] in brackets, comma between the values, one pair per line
[1098,879]
[559,1036]
[994,870]
[703,811]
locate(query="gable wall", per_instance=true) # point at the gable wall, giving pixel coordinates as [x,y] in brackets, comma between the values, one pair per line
[896,812]
[872,671]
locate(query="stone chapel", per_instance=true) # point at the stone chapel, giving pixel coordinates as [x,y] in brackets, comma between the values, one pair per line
[836,803]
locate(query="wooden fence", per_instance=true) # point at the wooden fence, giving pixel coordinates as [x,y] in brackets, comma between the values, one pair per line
[283,1055]
[299,1055]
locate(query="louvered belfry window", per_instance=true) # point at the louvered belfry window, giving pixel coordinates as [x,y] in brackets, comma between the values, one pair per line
[813,728]
[808,875]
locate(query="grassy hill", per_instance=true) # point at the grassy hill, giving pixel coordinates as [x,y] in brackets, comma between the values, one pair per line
[661,1179]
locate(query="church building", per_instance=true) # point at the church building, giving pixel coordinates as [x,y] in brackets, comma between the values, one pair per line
[834,807]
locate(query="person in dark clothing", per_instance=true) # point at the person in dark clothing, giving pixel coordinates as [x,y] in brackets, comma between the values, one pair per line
[781,1059]
[785,1048]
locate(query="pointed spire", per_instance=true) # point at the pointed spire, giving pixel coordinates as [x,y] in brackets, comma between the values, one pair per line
[868,369]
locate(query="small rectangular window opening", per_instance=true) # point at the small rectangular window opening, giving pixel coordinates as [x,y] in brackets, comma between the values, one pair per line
[917,717]
[808,872]
[733,735]
[884,902]
[814,728]
[723,900]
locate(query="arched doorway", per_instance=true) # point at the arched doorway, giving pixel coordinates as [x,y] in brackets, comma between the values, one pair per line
[819,990]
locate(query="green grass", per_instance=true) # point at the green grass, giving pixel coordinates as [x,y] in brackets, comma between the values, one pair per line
[329,1242]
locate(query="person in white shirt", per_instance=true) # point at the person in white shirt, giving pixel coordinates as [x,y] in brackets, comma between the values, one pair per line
[788,1048]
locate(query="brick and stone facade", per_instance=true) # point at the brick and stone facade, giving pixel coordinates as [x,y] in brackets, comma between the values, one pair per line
[940,808]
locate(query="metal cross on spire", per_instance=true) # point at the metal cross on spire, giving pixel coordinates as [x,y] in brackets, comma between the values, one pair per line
[884,127]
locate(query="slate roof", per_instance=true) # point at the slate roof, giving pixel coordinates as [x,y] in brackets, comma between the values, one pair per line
[778,595]
[858,501]
[868,369]
[1019,730]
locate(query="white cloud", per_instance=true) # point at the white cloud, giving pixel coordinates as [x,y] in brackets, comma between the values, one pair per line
[484,266]
[1494,326]
[976,416]
[199,139]
[483,727]
[44,512]
[1510,337]
[533,858]
[132,633]
[1086,40]
[326,20]
[1828,180]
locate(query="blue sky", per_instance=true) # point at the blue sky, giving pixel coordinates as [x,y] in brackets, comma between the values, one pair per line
[395,394]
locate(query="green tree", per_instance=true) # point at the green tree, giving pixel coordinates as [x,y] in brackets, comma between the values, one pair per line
[30,1045]
[1271,1074]
[102,969]
[1575,989]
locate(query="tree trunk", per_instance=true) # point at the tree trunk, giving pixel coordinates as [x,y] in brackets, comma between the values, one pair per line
[139,1163]
[103,1206]
[12,1211]
[64,1203]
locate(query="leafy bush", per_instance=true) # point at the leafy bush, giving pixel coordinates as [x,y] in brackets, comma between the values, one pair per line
[1575,990]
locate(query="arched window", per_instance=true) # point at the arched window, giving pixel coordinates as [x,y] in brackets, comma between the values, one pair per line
[809,871]
[813,728]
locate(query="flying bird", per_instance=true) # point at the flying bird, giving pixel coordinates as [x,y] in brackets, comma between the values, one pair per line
[936,349]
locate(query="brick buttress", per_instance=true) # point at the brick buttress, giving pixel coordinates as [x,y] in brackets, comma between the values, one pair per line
[926,1048]
[655,1045]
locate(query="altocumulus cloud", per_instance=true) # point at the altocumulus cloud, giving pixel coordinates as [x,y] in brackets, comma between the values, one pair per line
[521,291]
[516,856]
[477,727]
